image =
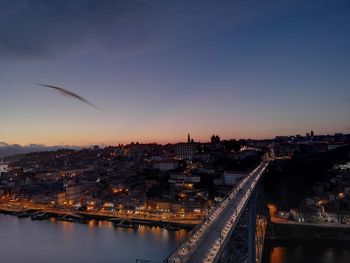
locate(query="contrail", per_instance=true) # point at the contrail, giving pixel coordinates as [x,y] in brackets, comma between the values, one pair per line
[68,93]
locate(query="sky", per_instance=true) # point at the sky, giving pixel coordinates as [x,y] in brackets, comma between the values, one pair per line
[158,70]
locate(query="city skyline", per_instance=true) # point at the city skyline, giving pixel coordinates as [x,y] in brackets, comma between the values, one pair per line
[243,69]
[9,149]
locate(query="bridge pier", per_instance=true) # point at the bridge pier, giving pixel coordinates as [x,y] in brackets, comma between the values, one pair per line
[252,227]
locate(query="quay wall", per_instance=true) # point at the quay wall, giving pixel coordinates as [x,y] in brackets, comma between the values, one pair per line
[288,231]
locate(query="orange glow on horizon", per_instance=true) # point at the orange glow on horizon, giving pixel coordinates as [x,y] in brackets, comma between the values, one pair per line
[85,142]
[87,137]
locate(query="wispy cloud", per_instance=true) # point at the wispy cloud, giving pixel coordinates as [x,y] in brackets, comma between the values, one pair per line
[69,93]
[36,28]
[344,100]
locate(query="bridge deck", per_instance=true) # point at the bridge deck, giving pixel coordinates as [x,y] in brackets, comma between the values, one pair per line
[205,242]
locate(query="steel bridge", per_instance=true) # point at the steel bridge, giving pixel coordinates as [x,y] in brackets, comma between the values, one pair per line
[233,231]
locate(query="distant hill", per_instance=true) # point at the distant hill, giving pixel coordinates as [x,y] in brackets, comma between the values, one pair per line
[12,149]
[288,182]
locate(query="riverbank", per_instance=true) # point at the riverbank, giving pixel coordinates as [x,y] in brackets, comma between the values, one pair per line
[307,231]
[123,221]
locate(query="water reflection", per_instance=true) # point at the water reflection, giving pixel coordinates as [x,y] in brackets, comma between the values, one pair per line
[278,255]
[306,252]
[97,241]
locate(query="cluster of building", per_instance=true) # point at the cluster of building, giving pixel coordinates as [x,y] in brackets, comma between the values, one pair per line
[330,201]
[287,147]
[183,179]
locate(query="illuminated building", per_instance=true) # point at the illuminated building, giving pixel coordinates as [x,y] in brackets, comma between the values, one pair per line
[165,165]
[185,150]
[232,178]
[73,193]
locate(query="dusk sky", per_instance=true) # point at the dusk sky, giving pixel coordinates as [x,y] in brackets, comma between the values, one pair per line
[161,69]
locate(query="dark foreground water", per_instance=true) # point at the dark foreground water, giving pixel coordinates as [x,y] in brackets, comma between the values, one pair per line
[307,252]
[24,240]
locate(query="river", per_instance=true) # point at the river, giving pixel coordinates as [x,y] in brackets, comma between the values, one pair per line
[24,240]
[307,252]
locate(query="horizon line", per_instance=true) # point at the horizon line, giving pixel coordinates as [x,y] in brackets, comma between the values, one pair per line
[161,142]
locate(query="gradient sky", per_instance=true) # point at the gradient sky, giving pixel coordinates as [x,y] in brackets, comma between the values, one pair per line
[161,69]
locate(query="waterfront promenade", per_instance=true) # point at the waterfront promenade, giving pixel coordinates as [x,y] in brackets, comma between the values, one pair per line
[320,224]
[188,221]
